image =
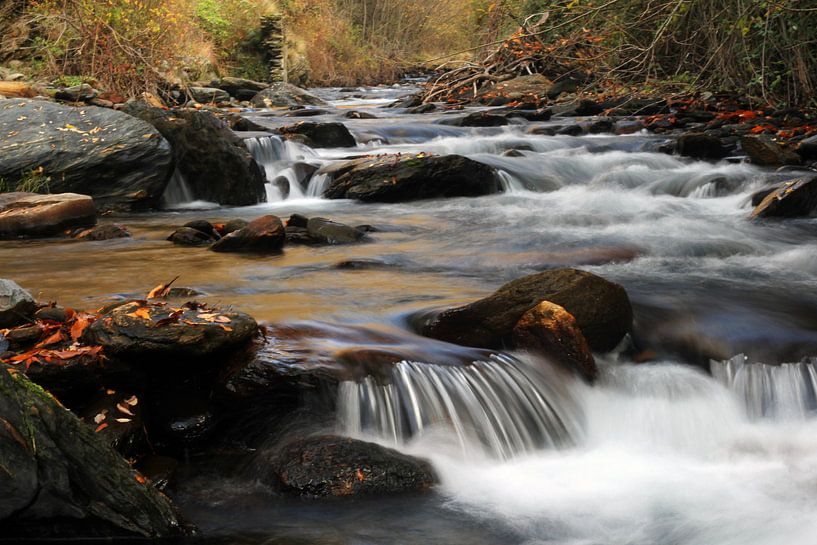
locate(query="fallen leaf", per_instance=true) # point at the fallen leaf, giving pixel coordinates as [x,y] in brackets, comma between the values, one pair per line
[162,290]
[101,427]
[99,418]
[132,401]
[124,420]
[124,409]
[53,339]
[143,313]
[78,327]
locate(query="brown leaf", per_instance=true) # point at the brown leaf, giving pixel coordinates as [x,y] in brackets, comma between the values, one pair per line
[143,313]
[162,290]
[132,401]
[52,339]
[124,409]
[78,327]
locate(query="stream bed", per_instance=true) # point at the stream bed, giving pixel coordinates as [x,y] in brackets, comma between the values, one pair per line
[663,452]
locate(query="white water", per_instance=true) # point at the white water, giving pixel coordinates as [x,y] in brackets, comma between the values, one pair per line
[277,156]
[666,456]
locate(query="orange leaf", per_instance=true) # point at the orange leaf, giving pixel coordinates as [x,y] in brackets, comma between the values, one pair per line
[53,339]
[101,427]
[79,327]
[143,313]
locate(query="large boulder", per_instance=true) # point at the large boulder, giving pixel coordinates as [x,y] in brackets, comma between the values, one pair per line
[147,329]
[215,163]
[240,88]
[16,304]
[208,95]
[601,308]
[402,178]
[327,465]
[320,135]
[61,481]
[285,95]
[262,235]
[121,161]
[794,198]
[324,231]
[35,215]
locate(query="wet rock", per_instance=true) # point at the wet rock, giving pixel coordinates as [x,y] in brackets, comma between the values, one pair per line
[149,332]
[402,178]
[119,160]
[794,198]
[550,330]
[476,119]
[205,227]
[359,115]
[764,151]
[239,86]
[512,153]
[701,146]
[422,109]
[17,306]
[213,160]
[66,482]
[183,419]
[324,231]
[285,95]
[208,95]
[807,149]
[77,93]
[116,418]
[24,336]
[159,470]
[326,466]
[571,130]
[601,308]
[187,236]
[108,231]
[262,235]
[541,114]
[604,125]
[411,101]
[362,265]
[34,215]
[306,112]
[242,124]
[233,226]
[52,314]
[320,135]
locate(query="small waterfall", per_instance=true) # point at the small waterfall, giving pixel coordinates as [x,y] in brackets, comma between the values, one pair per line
[177,191]
[276,156]
[787,391]
[510,184]
[317,185]
[502,406]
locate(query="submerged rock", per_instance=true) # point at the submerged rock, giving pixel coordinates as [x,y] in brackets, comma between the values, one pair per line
[794,198]
[549,329]
[476,119]
[324,231]
[109,231]
[214,161]
[701,146]
[187,236]
[601,308]
[16,304]
[120,161]
[402,178]
[262,235]
[60,480]
[329,465]
[34,215]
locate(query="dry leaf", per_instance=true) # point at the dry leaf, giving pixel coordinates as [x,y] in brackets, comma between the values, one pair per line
[124,409]
[99,418]
[124,420]
[101,427]
[143,313]
[132,401]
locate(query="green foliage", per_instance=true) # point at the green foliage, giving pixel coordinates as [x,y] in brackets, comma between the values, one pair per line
[33,181]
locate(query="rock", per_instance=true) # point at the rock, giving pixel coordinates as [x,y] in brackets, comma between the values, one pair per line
[187,236]
[601,308]
[571,130]
[285,95]
[159,470]
[52,314]
[182,419]
[24,336]
[476,119]
[306,112]
[72,378]
[764,151]
[242,124]
[66,482]
[34,215]
[208,95]
[359,115]
[541,114]
[205,227]
[807,149]
[213,160]
[234,225]
[422,109]
[794,198]
[402,178]
[77,93]
[701,146]
[327,465]
[117,420]
[324,231]
[262,235]
[17,306]
[235,86]
[550,330]
[152,331]
[109,231]
[120,161]
[320,135]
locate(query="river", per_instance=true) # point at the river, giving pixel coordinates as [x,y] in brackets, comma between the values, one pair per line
[678,451]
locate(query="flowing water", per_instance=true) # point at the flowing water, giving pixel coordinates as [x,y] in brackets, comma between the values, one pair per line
[681,451]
